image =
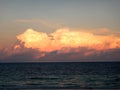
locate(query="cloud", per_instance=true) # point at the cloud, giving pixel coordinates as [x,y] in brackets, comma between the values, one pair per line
[18,53]
[65,38]
[45,23]
[62,45]
[24,21]
[27,55]
[83,55]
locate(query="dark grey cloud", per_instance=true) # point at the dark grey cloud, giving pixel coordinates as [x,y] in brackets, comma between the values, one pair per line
[81,54]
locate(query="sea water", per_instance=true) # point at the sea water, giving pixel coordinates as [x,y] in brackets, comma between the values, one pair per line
[60,75]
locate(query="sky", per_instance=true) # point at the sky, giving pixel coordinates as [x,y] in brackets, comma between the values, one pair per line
[59,30]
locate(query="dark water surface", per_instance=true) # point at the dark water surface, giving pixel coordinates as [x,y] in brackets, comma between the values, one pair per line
[79,75]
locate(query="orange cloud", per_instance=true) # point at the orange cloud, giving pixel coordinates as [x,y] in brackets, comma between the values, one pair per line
[17,47]
[66,38]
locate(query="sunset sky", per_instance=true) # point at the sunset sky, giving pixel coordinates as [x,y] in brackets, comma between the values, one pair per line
[59,30]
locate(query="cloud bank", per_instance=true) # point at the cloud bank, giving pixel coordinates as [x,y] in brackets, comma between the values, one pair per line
[63,45]
[65,38]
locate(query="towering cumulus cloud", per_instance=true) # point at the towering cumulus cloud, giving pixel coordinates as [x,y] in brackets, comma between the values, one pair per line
[65,38]
[63,45]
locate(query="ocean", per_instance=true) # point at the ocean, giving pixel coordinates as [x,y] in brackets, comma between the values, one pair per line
[60,75]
